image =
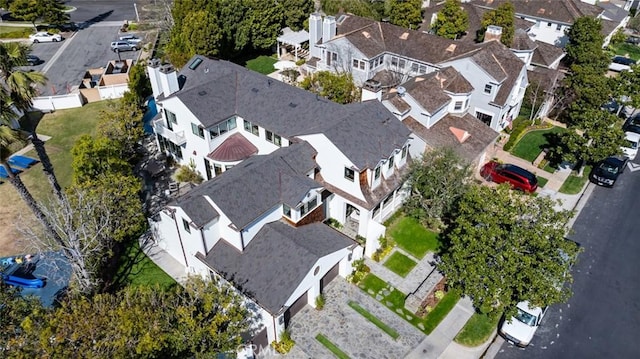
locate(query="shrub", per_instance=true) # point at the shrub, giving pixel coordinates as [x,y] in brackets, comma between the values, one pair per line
[18,34]
[439,294]
[189,174]
[516,132]
[300,62]
[361,240]
[285,344]
[386,246]
[320,302]
[334,223]
[360,270]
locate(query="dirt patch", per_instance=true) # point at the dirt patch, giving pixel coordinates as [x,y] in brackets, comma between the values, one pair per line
[14,216]
[432,300]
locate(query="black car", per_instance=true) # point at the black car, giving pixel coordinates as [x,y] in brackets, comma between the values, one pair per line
[632,125]
[623,60]
[33,60]
[606,172]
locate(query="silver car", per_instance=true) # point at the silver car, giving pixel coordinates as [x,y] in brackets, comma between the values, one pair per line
[118,46]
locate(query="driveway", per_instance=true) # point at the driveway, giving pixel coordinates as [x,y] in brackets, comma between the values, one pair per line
[109,10]
[66,62]
[348,329]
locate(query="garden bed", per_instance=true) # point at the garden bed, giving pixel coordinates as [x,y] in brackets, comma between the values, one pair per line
[400,264]
[413,237]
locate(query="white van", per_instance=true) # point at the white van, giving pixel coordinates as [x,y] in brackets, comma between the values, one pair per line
[630,149]
[520,329]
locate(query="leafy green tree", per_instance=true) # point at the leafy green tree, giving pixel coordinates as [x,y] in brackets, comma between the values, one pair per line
[584,46]
[503,16]
[121,123]
[618,37]
[198,321]
[264,20]
[626,87]
[189,174]
[363,8]
[337,87]
[92,157]
[13,310]
[452,21]
[405,13]
[437,181]
[296,12]
[50,11]
[139,84]
[634,23]
[26,10]
[199,34]
[505,247]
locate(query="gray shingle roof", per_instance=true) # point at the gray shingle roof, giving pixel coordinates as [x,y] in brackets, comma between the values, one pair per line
[546,54]
[197,208]
[440,135]
[522,42]
[217,90]
[256,185]
[566,11]
[276,261]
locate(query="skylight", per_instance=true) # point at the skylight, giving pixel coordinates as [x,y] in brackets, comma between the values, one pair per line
[195,63]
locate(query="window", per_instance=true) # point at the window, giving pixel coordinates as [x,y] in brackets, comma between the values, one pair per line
[171,119]
[423,69]
[391,161]
[558,27]
[403,63]
[394,61]
[197,130]
[331,57]
[273,138]
[549,24]
[457,106]
[414,67]
[186,226]
[286,210]
[217,169]
[376,173]
[223,128]
[249,127]
[466,104]
[404,152]
[309,206]
[488,88]
[349,174]
[359,64]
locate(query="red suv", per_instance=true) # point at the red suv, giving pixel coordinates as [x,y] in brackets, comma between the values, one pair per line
[517,177]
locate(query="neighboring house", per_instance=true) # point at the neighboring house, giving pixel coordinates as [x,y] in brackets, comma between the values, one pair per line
[107,82]
[278,162]
[550,18]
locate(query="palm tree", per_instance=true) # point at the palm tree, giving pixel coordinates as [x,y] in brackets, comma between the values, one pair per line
[7,137]
[22,90]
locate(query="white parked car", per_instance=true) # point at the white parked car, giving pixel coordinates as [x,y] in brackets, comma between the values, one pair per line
[630,149]
[44,36]
[134,39]
[520,329]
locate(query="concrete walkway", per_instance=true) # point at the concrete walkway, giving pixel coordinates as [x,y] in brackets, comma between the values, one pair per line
[163,260]
[411,282]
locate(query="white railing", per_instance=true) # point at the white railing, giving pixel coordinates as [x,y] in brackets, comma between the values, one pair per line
[176,137]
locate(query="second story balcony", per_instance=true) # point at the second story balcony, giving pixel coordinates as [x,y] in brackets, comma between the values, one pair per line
[175,136]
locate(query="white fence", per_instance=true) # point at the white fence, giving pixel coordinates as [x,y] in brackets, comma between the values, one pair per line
[58,102]
[112,91]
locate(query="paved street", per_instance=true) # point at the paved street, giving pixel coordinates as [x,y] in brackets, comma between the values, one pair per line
[602,319]
[106,10]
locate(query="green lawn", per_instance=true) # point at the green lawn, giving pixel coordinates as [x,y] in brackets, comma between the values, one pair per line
[531,144]
[574,184]
[331,347]
[137,269]
[542,181]
[400,264]
[373,319]
[411,236]
[262,64]
[477,329]
[624,49]
[393,299]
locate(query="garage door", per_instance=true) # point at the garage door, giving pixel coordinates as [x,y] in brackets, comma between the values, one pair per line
[295,308]
[333,272]
[261,340]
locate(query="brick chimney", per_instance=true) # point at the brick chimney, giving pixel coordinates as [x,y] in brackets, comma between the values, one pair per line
[493,33]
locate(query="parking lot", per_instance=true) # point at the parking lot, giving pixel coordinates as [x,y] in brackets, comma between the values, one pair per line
[66,62]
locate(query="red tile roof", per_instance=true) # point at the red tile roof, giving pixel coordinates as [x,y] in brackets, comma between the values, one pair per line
[235,148]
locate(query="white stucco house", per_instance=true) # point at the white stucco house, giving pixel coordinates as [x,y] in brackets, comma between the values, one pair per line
[278,161]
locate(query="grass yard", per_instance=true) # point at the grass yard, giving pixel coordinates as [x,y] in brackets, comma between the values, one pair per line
[394,300]
[477,330]
[531,144]
[136,269]
[574,184]
[411,236]
[400,264]
[542,181]
[624,49]
[373,319]
[15,32]
[331,347]
[262,64]
[64,127]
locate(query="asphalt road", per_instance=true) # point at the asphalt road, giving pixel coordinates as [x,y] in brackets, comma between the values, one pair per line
[66,62]
[102,10]
[602,319]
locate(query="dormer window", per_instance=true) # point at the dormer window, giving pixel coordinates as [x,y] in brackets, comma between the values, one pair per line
[273,138]
[286,211]
[309,206]
[349,174]
[186,226]
[404,152]
[376,173]
[249,127]
[488,88]
[457,106]
[197,130]
[391,161]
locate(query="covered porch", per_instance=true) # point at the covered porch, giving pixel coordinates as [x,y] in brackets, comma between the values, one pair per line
[294,43]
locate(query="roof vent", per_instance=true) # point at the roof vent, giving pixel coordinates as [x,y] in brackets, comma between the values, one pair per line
[366,34]
[401,90]
[341,19]
[451,48]
[202,93]
[404,36]
[293,105]
[255,90]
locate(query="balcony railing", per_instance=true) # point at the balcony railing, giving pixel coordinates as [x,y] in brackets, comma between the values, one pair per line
[176,137]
